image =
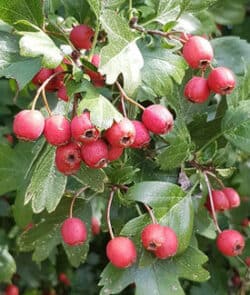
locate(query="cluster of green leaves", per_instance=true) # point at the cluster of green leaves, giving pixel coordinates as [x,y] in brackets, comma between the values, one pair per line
[152,71]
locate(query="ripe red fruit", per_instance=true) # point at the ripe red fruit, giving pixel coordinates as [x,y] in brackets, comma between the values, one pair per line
[114,153]
[81,37]
[68,158]
[198,52]
[95,226]
[161,240]
[230,242]
[28,124]
[236,280]
[64,279]
[83,130]
[247,261]
[157,119]
[97,79]
[142,137]
[221,80]
[42,75]
[245,222]
[121,134]
[57,130]
[121,252]
[62,93]
[232,196]
[196,90]
[11,290]
[95,154]
[74,231]
[220,201]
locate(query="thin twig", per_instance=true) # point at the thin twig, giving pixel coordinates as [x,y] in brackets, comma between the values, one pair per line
[46,102]
[123,106]
[151,214]
[216,178]
[108,212]
[78,193]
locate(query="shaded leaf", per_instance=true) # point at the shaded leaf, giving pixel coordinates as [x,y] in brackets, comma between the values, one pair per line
[7,265]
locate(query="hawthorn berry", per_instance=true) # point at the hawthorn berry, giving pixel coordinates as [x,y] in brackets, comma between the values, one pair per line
[81,37]
[232,196]
[245,222]
[247,261]
[74,231]
[96,78]
[42,76]
[221,80]
[236,280]
[95,154]
[121,134]
[57,130]
[142,136]
[230,242]
[220,201]
[114,153]
[121,252]
[95,226]
[161,240]
[11,290]
[157,119]
[28,124]
[62,93]
[82,128]
[197,90]
[64,279]
[198,52]
[68,158]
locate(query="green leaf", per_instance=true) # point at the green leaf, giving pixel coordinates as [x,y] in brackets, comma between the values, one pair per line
[197,5]
[16,10]
[155,193]
[121,55]
[236,126]
[7,265]
[47,184]
[78,9]
[76,254]
[166,10]
[95,6]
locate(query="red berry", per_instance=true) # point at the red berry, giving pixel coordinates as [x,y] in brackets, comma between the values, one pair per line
[221,80]
[198,52]
[232,196]
[74,231]
[196,90]
[95,226]
[247,261]
[220,201]
[236,280]
[114,153]
[9,138]
[157,119]
[121,134]
[28,124]
[62,93]
[42,75]
[121,252]
[64,279]
[57,130]
[142,137]
[81,37]
[97,79]
[161,240]
[68,158]
[96,60]
[83,130]
[11,290]
[245,222]
[95,154]
[230,242]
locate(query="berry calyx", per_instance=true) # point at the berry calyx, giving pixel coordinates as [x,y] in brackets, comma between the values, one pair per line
[142,136]
[121,134]
[197,90]
[81,37]
[157,119]
[114,153]
[62,93]
[198,52]
[232,196]
[28,124]
[74,231]
[221,80]
[220,201]
[64,279]
[95,154]
[57,130]
[11,290]
[95,226]
[83,130]
[68,158]
[42,76]
[121,252]
[230,242]
[161,240]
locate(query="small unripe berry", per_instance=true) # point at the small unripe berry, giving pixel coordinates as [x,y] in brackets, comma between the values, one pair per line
[57,130]
[114,153]
[42,75]
[232,196]
[121,134]
[62,93]
[198,52]
[83,130]
[121,252]
[74,231]
[220,201]
[157,119]
[95,226]
[142,137]
[196,90]
[221,80]
[64,279]
[28,124]
[68,158]
[11,290]
[81,37]
[95,154]
[161,240]
[230,242]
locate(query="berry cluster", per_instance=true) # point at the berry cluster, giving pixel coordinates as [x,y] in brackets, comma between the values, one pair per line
[198,53]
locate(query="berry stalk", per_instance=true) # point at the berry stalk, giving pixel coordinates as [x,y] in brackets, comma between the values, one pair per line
[108,213]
